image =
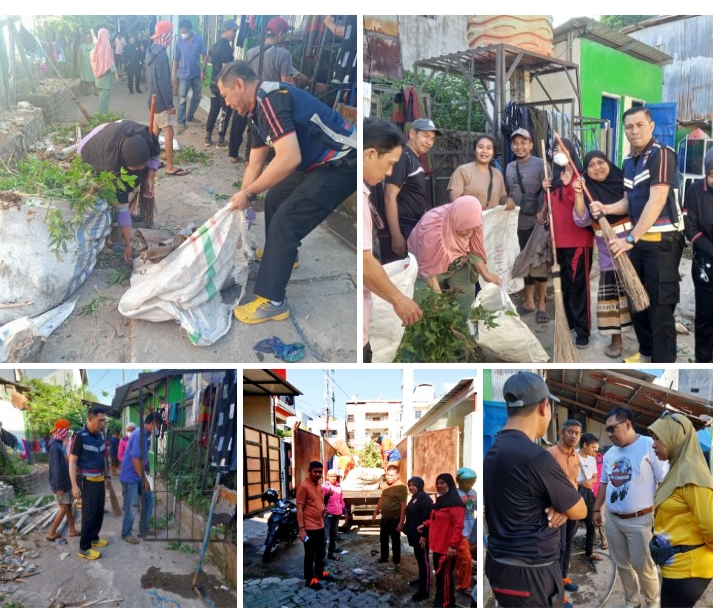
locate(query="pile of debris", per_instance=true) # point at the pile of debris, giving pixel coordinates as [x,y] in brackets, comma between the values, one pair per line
[39,515]
[15,562]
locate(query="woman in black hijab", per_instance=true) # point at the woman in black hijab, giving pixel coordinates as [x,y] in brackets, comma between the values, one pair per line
[445,530]
[418,511]
[605,182]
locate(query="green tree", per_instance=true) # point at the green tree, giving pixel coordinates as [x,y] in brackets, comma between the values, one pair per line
[617,22]
[50,402]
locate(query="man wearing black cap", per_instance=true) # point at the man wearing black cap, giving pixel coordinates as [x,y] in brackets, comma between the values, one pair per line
[406,197]
[310,519]
[523,183]
[128,146]
[528,499]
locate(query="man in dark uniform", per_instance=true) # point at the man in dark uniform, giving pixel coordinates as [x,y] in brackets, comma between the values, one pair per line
[406,197]
[313,172]
[87,471]
[221,53]
[528,499]
[656,241]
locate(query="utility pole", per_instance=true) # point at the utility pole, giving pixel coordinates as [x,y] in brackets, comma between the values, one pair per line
[328,396]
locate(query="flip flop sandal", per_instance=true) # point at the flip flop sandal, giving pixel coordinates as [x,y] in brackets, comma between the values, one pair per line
[522,310]
[179,172]
[613,352]
[605,546]
[53,538]
[542,317]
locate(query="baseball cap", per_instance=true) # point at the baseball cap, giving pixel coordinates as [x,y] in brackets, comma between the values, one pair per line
[59,424]
[466,473]
[425,125]
[521,132]
[276,25]
[229,24]
[162,27]
[526,388]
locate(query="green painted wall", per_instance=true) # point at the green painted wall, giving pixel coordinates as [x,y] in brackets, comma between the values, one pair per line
[487,385]
[607,70]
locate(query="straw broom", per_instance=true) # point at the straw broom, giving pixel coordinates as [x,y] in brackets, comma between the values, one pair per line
[147,205]
[635,290]
[564,346]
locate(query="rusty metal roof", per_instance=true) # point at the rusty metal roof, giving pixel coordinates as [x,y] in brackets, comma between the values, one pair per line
[263,382]
[596,392]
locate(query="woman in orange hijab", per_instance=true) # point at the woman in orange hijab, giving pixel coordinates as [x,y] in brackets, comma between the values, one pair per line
[448,245]
[102,60]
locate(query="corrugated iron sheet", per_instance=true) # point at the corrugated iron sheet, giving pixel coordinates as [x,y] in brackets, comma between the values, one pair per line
[689,79]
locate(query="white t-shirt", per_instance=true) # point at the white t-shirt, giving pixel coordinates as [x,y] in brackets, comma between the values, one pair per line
[631,474]
[589,465]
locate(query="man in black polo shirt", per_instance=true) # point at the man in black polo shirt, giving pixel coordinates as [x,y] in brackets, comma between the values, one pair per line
[221,53]
[528,498]
[656,241]
[406,197]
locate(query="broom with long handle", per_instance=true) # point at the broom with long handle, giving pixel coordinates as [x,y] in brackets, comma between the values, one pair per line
[633,287]
[564,347]
[147,205]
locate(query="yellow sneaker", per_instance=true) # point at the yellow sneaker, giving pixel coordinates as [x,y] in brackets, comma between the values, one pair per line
[99,543]
[261,310]
[260,251]
[637,358]
[90,554]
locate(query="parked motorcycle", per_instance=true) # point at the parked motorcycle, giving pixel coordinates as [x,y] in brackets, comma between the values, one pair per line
[282,524]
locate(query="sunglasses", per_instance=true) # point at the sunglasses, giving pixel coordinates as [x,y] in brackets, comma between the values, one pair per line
[610,429]
[673,417]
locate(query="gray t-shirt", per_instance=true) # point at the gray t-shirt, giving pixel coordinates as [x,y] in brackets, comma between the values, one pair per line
[533,173]
[276,63]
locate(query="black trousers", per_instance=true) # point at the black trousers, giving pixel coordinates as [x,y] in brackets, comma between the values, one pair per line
[424,569]
[525,587]
[133,75]
[445,581]
[237,128]
[704,322]
[657,263]
[682,592]
[387,531]
[589,500]
[217,104]
[93,498]
[568,530]
[293,209]
[575,265]
[314,555]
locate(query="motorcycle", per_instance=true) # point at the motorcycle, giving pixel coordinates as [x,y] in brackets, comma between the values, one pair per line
[282,524]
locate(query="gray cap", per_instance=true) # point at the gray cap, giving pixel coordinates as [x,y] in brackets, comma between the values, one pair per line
[525,388]
[425,125]
[229,24]
[521,132]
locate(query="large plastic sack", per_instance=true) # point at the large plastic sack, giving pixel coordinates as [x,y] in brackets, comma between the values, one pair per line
[501,245]
[511,340]
[33,279]
[386,329]
[185,286]
[363,479]
[22,340]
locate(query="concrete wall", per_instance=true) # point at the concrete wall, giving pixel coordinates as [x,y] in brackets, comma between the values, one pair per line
[423,37]
[257,413]
[26,127]
[54,100]
[696,382]
[364,430]
[31,484]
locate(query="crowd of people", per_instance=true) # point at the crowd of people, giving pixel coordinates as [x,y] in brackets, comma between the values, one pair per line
[655,492]
[640,201]
[440,533]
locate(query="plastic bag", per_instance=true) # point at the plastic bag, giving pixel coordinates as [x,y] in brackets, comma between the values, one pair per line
[501,245]
[385,328]
[185,286]
[511,340]
[21,340]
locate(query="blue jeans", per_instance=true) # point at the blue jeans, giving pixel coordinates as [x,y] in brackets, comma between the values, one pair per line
[131,507]
[184,84]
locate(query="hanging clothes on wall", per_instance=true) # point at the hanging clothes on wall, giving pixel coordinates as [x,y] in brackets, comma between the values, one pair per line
[409,105]
[540,131]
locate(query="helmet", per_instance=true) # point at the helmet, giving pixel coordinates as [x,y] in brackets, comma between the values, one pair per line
[270,495]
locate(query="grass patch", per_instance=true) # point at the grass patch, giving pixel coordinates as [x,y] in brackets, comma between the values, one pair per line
[184,548]
[118,276]
[191,155]
[93,306]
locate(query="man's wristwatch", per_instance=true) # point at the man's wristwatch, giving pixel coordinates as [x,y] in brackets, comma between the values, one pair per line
[251,197]
[630,239]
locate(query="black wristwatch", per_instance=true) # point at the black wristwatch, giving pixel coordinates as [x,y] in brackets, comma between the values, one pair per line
[252,197]
[630,239]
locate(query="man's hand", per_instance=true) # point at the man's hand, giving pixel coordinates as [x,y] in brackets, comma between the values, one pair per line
[618,247]
[451,552]
[423,541]
[420,528]
[239,201]
[398,244]
[555,518]
[76,492]
[547,183]
[302,534]
[597,518]
[408,311]
[400,527]
[373,516]
[147,485]
[510,204]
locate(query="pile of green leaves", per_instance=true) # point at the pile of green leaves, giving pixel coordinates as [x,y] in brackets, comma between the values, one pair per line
[369,456]
[75,182]
[190,155]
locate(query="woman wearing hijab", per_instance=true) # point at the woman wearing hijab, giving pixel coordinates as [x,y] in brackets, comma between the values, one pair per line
[683,518]
[605,182]
[418,510]
[479,179]
[445,530]
[699,231]
[102,60]
[448,245]
[574,244]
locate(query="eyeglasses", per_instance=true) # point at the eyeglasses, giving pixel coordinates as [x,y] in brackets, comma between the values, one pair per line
[610,429]
[673,417]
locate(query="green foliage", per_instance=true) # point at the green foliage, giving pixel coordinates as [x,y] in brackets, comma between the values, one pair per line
[52,401]
[440,336]
[175,545]
[64,24]
[183,475]
[190,155]
[13,464]
[98,119]
[118,276]
[221,197]
[617,22]
[75,182]
[369,456]
[92,307]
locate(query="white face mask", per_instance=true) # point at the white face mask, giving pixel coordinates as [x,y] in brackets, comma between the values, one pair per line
[561,159]
[185,36]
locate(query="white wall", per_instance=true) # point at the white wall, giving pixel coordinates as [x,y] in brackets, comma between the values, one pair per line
[12,419]
[423,37]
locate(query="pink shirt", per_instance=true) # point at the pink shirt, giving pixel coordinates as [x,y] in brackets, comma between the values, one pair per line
[335,504]
[368,245]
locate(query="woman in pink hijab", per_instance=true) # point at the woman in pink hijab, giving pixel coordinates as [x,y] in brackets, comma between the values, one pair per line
[102,60]
[448,245]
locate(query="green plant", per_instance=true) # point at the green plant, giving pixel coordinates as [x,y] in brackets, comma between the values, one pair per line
[369,456]
[221,197]
[161,523]
[92,307]
[177,546]
[190,155]
[118,276]
[52,401]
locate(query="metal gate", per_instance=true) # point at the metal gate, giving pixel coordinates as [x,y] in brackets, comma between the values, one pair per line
[261,455]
